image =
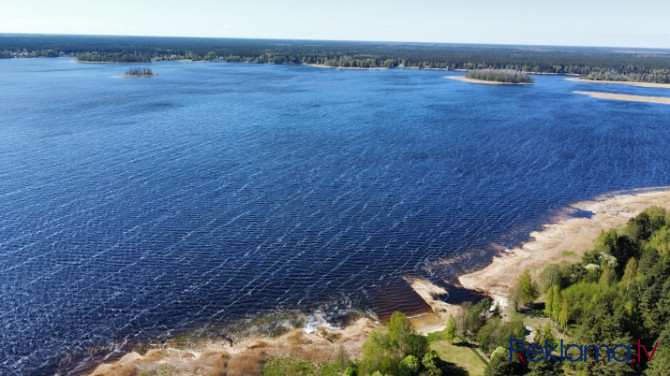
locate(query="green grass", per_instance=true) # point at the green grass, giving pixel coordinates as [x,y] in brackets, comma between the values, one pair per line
[461,354]
[568,254]
[295,367]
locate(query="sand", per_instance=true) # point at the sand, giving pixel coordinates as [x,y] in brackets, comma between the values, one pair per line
[474,81]
[244,356]
[566,234]
[624,97]
[629,83]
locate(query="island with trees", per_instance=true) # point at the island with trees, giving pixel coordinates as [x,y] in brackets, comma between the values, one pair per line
[139,72]
[499,76]
[637,65]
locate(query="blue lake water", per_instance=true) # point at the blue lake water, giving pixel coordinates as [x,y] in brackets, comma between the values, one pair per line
[132,207]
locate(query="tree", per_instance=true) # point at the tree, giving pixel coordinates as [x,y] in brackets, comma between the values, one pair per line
[415,345]
[399,327]
[409,366]
[554,274]
[629,273]
[543,368]
[501,366]
[375,349]
[450,329]
[431,363]
[661,362]
[488,336]
[463,317]
[527,288]
[557,304]
[564,316]
[548,302]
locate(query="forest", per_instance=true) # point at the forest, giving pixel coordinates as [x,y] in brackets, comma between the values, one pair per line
[618,293]
[650,65]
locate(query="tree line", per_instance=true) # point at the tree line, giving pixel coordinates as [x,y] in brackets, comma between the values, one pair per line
[597,63]
[500,75]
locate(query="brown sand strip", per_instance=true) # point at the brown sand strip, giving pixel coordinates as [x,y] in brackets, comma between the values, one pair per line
[629,83]
[624,97]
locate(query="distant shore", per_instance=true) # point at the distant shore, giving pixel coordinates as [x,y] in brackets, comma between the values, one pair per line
[348,68]
[624,97]
[485,82]
[629,83]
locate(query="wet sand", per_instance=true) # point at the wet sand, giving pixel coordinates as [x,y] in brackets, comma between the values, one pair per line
[629,83]
[625,97]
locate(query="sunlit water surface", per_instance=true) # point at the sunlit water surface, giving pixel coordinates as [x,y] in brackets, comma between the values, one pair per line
[132,207]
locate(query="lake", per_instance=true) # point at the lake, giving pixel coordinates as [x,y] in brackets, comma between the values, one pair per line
[132,207]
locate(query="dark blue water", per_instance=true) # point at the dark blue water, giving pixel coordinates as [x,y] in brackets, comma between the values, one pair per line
[131,207]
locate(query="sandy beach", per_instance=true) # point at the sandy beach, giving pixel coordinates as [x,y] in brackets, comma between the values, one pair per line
[484,82]
[624,97]
[566,234]
[629,83]
[243,357]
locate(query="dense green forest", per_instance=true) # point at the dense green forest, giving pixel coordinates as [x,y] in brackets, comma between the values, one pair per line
[500,75]
[618,294]
[597,63]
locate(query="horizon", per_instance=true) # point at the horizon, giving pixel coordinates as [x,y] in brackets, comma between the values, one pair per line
[4,34]
[519,23]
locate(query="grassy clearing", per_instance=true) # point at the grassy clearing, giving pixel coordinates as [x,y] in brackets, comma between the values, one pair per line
[463,354]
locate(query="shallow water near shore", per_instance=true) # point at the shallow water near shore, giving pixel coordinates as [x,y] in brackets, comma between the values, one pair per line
[135,207]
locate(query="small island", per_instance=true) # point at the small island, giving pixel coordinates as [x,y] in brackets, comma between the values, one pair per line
[495,77]
[503,76]
[137,72]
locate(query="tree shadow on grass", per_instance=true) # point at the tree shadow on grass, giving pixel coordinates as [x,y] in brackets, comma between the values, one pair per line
[465,344]
[452,369]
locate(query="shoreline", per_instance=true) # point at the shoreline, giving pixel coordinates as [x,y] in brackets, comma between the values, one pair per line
[484,82]
[346,68]
[566,238]
[624,97]
[629,83]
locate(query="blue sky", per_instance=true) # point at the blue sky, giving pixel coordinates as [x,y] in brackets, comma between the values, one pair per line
[643,23]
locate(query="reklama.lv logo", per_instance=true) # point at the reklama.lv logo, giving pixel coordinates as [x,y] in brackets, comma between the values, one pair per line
[547,352]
